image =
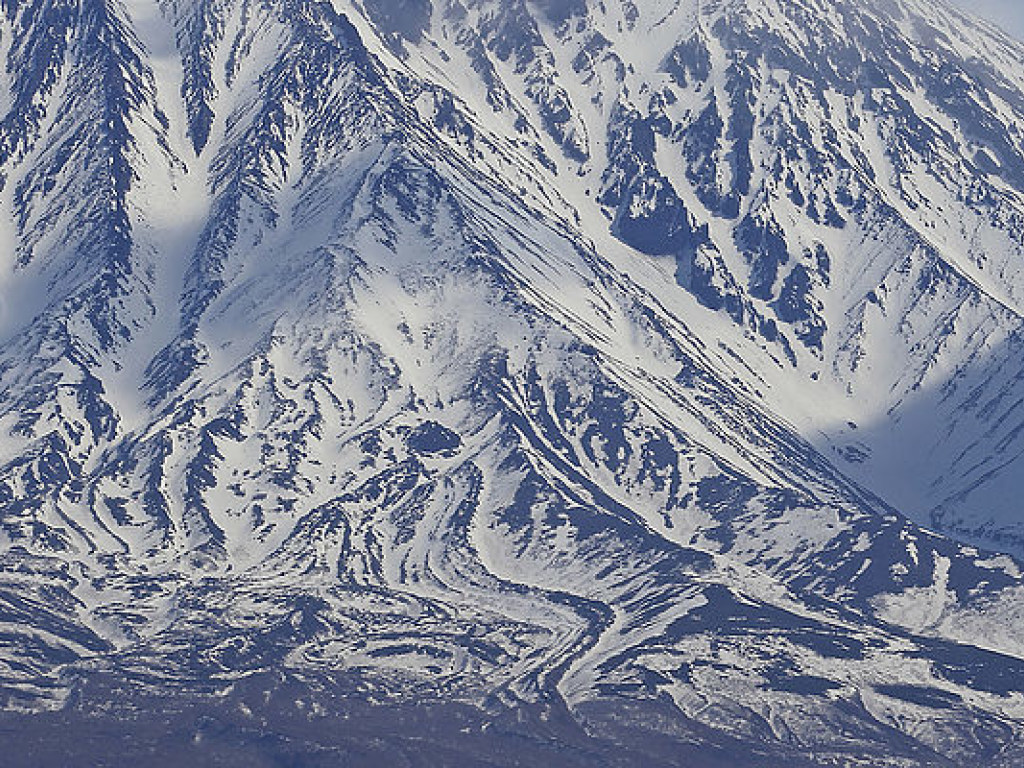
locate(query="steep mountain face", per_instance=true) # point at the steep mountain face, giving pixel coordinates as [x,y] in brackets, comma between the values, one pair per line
[540,381]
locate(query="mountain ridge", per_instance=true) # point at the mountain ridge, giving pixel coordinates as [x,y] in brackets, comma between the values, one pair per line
[399,357]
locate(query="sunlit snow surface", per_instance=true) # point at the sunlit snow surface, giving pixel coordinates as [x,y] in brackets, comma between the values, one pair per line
[511,383]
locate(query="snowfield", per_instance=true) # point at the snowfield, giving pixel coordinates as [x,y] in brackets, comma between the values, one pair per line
[511,382]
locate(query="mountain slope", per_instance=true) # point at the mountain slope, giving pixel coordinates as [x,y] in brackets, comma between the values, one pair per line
[571,365]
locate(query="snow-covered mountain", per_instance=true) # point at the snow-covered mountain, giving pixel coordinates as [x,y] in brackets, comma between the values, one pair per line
[561,382]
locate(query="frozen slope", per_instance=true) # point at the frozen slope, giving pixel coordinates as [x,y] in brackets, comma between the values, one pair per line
[581,367]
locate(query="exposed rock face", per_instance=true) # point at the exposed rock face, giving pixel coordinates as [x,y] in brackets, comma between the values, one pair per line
[587,367]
